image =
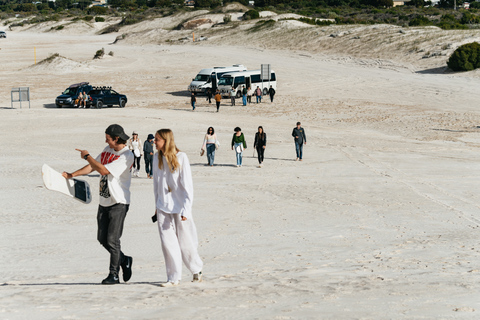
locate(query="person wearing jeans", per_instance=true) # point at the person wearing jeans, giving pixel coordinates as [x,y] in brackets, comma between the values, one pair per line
[114,165]
[148,153]
[210,143]
[300,138]
[239,143]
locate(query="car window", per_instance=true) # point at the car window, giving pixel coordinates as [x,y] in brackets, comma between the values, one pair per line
[113,92]
[70,91]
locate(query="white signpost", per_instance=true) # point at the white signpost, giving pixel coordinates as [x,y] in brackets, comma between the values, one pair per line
[266,73]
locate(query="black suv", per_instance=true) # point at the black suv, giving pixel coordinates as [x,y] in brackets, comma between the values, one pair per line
[68,97]
[100,96]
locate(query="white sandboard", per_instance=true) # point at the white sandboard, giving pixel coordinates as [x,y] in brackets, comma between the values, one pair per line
[78,189]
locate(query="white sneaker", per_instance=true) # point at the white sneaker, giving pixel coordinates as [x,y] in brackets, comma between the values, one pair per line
[169,284]
[198,277]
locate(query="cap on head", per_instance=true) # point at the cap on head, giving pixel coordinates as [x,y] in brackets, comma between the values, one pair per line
[116,130]
[134,132]
[150,136]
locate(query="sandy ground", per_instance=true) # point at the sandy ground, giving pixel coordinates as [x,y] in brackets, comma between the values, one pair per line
[380,221]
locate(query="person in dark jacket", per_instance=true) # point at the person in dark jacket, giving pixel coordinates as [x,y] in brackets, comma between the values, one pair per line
[209,95]
[148,153]
[298,134]
[193,99]
[260,144]
[271,92]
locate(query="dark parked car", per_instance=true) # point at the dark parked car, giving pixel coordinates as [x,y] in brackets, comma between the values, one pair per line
[3,34]
[100,96]
[68,97]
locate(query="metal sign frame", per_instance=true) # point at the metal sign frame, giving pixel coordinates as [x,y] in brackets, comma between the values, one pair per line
[21,94]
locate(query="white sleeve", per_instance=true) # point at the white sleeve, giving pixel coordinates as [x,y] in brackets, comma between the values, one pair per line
[186,182]
[155,170]
[118,166]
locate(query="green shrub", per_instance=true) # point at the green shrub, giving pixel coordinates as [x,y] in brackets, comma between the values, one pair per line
[227,18]
[99,54]
[465,58]
[87,18]
[59,27]
[419,21]
[99,19]
[96,10]
[251,14]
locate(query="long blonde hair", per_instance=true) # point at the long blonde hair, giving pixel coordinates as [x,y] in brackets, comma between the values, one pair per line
[170,150]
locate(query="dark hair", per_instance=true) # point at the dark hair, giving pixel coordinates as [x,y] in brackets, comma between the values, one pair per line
[208,130]
[298,123]
[121,141]
[237,129]
[263,132]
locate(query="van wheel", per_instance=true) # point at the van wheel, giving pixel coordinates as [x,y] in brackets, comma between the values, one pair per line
[239,94]
[99,104]
[265,91]
[122,103]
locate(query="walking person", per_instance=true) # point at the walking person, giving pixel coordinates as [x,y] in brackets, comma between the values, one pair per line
[239,143]
[209,95]
[173,191]
[148,148]
[258,94]
[249,94]
[210,144]
[114,165]
[298,134]
[193,99]
[232,96]
[244,95]
[271,92]
[135,144]
[218,98]
[260,144]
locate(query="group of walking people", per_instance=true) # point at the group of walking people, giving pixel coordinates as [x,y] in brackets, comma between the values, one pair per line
[239,144]
[134,144]
[246,93]
[173,196]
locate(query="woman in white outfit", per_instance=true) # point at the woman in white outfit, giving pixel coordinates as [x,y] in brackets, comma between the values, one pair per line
[135,145]
[173,190]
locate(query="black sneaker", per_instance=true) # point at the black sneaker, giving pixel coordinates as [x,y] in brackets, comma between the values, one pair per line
[111,279]
[127,268]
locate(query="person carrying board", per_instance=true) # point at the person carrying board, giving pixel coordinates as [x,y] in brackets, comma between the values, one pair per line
[114,165]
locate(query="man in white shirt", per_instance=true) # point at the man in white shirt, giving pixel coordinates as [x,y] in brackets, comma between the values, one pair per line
[114,165]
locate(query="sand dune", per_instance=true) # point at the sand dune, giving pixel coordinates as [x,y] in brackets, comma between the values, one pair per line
[380,220]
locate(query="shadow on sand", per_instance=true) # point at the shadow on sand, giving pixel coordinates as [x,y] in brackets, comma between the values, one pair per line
[183,93]
[439,70]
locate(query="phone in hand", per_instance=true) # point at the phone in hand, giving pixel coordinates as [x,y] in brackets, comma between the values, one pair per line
[154,218]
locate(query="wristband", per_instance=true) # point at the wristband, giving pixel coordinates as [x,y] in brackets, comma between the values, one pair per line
[86,156]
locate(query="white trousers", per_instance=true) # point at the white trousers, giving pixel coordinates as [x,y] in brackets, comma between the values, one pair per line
[179,242]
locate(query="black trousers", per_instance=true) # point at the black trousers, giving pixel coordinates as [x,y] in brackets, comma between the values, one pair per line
[260,154]
[110,228]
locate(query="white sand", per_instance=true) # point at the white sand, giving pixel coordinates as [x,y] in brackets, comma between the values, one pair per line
[380,221]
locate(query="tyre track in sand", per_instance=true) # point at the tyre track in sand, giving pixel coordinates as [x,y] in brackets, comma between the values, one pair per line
[462,206]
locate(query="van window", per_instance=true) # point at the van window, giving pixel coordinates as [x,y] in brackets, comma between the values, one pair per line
[201,77]
[239,80]
[225,81]
[255,78]
[273,77]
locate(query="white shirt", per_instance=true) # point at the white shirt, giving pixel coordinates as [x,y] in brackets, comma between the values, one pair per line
[115,186]
[173,191]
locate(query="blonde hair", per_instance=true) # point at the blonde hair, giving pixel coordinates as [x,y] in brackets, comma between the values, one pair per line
[170,150]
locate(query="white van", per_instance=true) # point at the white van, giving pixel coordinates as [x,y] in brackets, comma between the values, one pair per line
[208,78]
[249,79]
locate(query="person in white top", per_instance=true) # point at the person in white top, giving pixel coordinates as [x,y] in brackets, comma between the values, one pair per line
[113,164]
[135,145]
[173,191]
[210,144]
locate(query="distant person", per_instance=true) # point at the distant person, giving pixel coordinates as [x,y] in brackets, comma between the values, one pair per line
[148,151]
[244,95]
[271,92]
[258,94]
[209,95]
[173,192]
[193,99]
[218,98]
[239,143]
[232,96]
[298,134]
[260,145]
[210,144]
[249,94]
[135,144]
[78,101]
[114,165]
[83,100]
